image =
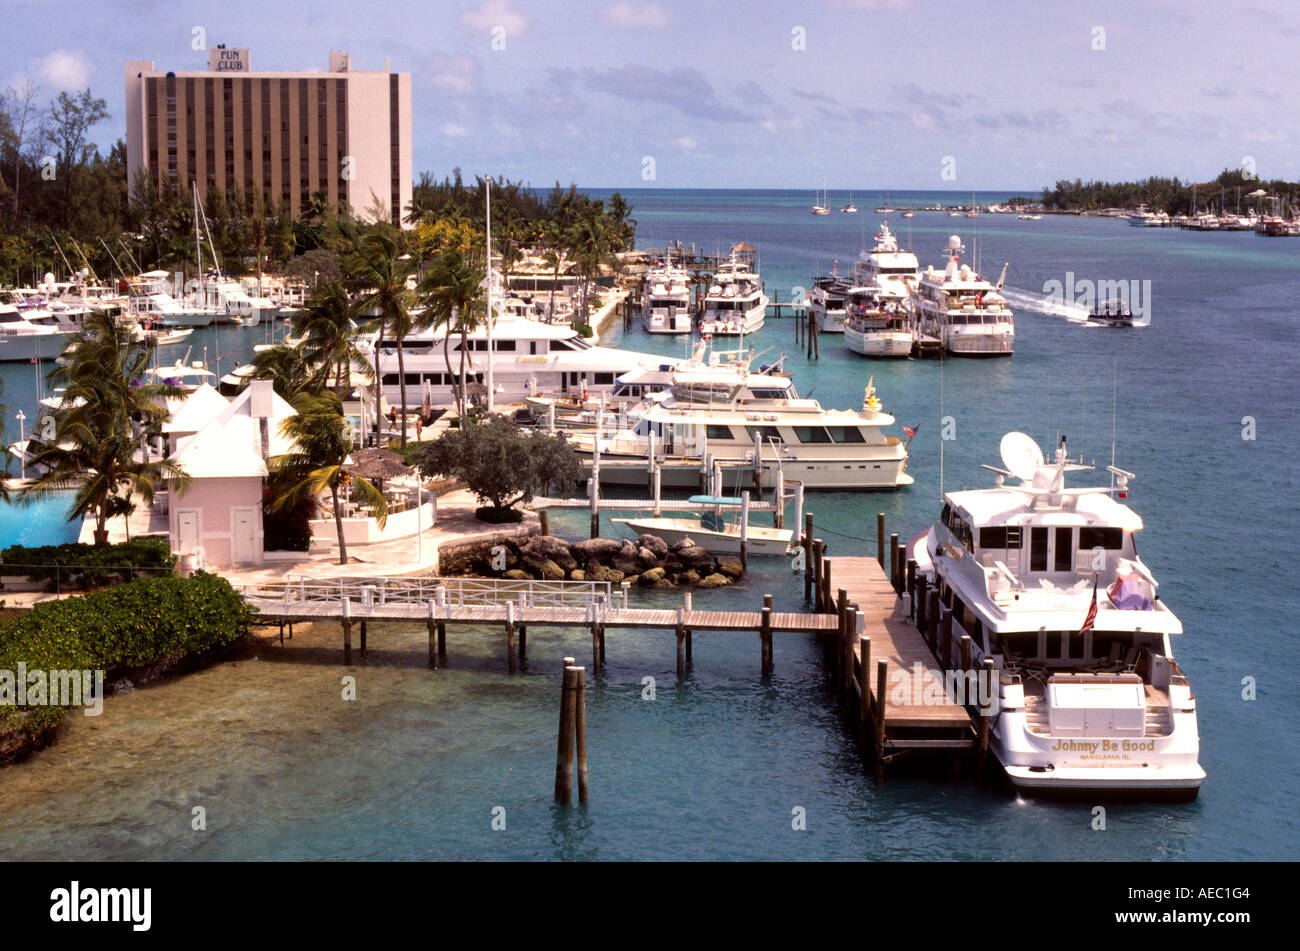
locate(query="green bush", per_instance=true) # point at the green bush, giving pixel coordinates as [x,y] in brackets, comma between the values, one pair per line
[135,625]
[80,566]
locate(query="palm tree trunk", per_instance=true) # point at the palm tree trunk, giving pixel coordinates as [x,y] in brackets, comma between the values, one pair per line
[338,524]
[379,381]
[446,354]
[401,374]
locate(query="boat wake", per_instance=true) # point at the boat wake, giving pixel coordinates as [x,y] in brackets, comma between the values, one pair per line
[1045,304]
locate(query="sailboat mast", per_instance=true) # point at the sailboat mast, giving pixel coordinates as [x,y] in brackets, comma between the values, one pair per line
[490,380]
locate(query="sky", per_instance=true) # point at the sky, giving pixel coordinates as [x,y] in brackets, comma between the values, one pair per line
[861,94]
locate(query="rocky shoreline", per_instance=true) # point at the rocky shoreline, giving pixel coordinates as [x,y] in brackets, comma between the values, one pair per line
[648,561]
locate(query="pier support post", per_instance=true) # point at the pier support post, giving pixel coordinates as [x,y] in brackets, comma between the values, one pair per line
[433,639]
[932,620]
[510,636]
[807,552]
[564,748]
[945,636]
[523,641]
[986,713]
[910,588]
[817,575]
[826,579]
[744,531]
[921,594]
[580,729]
[882,677]
[842,645]
[765,639]
[964,653]
[864,677]
[894,553]
[442,643]
[778,514]
[681,643]
[347,630]
[880,539]
[363,638]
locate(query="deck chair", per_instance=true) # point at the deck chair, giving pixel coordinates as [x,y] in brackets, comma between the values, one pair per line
[1130,660]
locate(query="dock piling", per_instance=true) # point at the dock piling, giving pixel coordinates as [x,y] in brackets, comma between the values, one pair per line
[681,643]
[864,677]
[564,748]
[807,551]
[882,677]
[347,630]
[433,640]
[580,729]
[510,636]
[880,539]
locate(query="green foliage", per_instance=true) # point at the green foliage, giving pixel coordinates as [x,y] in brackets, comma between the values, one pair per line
[288,528]
[1162,194]
[135,625]
[81,566]
[501,463]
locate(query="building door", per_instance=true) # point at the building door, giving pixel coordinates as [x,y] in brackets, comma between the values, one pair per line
[187,531]
[244,540]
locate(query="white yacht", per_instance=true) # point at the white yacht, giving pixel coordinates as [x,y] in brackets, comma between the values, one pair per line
[891,268]
[225,296]
[1142,218]
[666,301]
[528,357]
[879,324]
[1047,582]
[25,336]
[962,310]
[826,301]
[850,208]
[735,304]
[823,448]
[152,304]
[821,202]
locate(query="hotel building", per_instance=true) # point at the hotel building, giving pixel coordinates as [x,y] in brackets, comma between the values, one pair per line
[345,133]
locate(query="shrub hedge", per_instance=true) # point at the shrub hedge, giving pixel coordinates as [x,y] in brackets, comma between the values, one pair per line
[135,625]
[78,566]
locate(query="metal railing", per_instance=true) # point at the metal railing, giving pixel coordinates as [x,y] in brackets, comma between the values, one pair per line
[444,593]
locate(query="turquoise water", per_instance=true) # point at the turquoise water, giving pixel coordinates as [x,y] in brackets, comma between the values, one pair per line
[713,766]
[41,523]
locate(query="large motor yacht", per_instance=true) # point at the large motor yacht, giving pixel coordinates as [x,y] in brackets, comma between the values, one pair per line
[893,269]
[962,310]
[826,301]
[1047,582]
[666,301]
[735,304]
[879,323]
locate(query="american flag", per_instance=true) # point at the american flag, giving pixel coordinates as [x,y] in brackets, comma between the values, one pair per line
[1092,609]
[911,432]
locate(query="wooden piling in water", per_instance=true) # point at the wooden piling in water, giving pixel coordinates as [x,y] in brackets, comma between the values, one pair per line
[985,715]
[564,747]
[894,553]
[510,636]
[921,594]
[817,576]
[580,729]
[880,539]
[909,585]
[845,644]
[347,630]
[681,643]
[363,638]
[807,556]
[864,677]
[882,677]
[945,636]
[433,639]
[765,639]
[826,579]
[523,641]
[932,620]
[442,643]
[964,652]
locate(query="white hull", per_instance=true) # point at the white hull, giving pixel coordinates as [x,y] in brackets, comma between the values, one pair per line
[678,322]
[749,323]
[760,541]
[830,322]
[26,347]
[879,343]
[857,473]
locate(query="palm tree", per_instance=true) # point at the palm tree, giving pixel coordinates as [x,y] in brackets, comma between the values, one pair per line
[379,271]
[290,371]
[452,291]
[321,446]
[101,443]
[330,335]
[590,246]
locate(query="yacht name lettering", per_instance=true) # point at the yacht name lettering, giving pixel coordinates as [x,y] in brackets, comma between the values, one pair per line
[1104,746]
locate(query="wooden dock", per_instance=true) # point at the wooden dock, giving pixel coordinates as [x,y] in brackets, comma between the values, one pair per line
[872,645]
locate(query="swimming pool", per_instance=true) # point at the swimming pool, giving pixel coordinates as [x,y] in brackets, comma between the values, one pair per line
[42,523]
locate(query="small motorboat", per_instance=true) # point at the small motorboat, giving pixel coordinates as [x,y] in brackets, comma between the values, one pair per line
[711,531]
[1112,314]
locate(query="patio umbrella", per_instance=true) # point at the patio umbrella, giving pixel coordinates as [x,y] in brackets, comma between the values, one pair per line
[377,465]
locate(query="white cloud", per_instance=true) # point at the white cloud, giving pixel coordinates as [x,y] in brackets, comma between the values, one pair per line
[63,69]
[453,130]
[635,16]
[686,142]
[495,13]
[454,75]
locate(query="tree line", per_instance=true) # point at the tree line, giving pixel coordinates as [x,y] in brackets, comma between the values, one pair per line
[1171,195]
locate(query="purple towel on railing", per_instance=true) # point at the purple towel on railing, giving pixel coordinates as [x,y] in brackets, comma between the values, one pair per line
[1126,594]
